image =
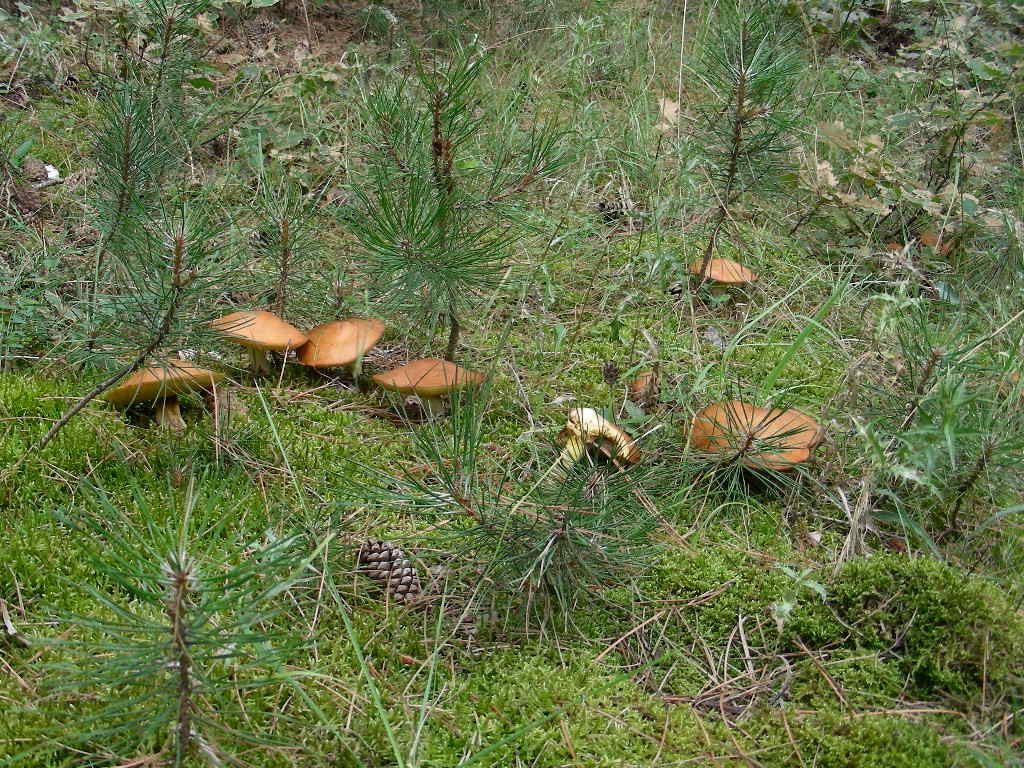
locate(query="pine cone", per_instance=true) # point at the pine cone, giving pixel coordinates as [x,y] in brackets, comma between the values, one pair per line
[610,372]
[383,562]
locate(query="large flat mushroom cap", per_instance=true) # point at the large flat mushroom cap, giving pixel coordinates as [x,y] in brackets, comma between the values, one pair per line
[154,383]
[725,271]
[341,342]
[779,439]
[428,377]
[260,330]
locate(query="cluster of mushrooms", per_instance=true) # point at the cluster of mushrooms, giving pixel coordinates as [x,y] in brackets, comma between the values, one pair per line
[733,431]
[338,344]
[730,432]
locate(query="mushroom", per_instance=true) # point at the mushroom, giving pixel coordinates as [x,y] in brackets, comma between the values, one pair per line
[758,438]
[941,242]
[585,427]
[161,386]
[643,390]
[722,273]
[260,332]
[430,379]
[341,343]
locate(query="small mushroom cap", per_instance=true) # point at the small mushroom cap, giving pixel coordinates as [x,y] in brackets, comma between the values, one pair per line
[428,377]
[341,342]
[725,271]
[588,425]
[149,384]
[641,385]
[780,439]
[260,330]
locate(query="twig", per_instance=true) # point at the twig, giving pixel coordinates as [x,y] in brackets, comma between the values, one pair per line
[631,632]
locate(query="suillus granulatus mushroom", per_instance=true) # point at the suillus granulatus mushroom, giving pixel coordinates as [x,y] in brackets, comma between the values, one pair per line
[430,379]
[161,385]
[260,332]
[341,343]
[585,427]
[722,274]
[756,438]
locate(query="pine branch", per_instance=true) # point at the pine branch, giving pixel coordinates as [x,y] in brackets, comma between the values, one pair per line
[180,281]
[284,267]
[176,610]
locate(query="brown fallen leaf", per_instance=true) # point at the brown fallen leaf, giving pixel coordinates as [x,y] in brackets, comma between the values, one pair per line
[669,113]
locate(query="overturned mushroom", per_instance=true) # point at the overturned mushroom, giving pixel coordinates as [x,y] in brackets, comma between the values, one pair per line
[260,332]
[722,274]
[161,386]
[341,343]
[585,427]
[430,379]
[757,438]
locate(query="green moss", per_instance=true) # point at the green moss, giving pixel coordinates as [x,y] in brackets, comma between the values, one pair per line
[949,634]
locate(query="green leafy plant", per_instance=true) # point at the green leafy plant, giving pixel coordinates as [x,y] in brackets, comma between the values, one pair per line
[951,429]
[800,582]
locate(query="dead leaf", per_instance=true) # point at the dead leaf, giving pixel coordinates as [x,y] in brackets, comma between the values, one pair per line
[669,113]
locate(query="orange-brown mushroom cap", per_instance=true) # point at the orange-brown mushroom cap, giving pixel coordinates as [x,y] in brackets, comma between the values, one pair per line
[429,377]
[260,330]
[341,342]
[725,271]
[157,382]
[763,438]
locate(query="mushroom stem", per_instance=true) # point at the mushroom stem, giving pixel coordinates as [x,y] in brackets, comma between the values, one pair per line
[571,453]
[258,363]
[434,405]
[168,414]
[356,369]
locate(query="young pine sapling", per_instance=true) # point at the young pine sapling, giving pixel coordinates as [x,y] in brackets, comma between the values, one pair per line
[435,213]
[750,64]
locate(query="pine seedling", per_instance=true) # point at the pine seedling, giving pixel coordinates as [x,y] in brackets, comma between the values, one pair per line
[538,536]
[184,625]
[164,280]
[159,261]
[286,244]
[750,64]
[144,126]
[948,428]
[133,149]
[435,214]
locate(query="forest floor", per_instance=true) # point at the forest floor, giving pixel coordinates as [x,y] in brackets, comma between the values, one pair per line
[836,615]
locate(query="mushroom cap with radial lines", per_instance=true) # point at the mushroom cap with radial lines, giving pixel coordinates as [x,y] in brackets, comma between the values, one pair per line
[428,377]
[258,329]
[157,382]
[340,342]
[762,438]
[725,271]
